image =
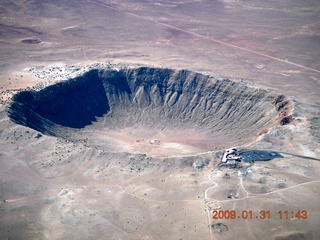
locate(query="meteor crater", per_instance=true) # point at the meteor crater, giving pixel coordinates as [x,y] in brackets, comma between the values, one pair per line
[158,112]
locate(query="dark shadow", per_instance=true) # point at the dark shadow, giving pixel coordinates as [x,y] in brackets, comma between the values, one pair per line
[74,103]
[115,82]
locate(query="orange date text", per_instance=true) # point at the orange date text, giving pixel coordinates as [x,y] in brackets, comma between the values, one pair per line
[262,214]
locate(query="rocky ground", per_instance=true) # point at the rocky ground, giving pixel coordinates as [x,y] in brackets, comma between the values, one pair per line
[106,178]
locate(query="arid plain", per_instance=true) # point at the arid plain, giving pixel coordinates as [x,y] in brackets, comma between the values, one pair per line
[95,159]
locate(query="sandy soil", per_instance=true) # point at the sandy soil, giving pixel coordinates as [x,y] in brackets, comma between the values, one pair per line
[55,188]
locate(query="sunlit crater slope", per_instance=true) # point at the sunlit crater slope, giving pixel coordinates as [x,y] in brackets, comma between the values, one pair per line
[155,111]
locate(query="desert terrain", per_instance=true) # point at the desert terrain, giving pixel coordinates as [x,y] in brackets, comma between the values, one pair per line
[115,115]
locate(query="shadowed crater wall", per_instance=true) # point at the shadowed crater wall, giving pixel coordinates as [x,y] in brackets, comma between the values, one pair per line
[74,103]
[148,103]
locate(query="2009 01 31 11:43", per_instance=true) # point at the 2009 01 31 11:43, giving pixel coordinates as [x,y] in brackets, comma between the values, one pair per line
[262,214]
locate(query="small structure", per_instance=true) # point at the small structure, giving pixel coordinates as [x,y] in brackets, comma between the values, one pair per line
[155,141]
[231,157]
[198,165]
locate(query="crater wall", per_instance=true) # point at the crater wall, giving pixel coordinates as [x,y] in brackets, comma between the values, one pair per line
[152,98]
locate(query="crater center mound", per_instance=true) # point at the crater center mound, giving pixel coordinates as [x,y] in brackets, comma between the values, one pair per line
[160,112]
